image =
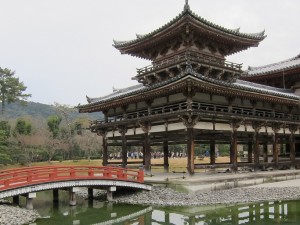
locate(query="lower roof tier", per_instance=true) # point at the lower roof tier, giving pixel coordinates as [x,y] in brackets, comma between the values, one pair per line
[191,79]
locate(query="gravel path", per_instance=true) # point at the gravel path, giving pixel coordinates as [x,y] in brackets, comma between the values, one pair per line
[168,197]
[12,215]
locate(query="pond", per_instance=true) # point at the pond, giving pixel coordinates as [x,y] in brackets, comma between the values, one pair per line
[100,213]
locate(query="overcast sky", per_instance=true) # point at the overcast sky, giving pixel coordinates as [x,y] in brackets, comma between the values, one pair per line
[62,49]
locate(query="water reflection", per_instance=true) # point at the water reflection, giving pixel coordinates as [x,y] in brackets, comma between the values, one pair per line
[284,212]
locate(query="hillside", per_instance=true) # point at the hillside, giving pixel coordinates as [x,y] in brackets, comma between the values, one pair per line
[16,110]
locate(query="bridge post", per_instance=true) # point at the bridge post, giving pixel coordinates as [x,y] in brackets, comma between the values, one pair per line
[110,191]
[90,194]
[16,200]
[29,200]
[72,196]
[55,196]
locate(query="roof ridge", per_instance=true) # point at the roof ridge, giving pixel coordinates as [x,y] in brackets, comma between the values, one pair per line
[187,11]
[251,68]
[115,91]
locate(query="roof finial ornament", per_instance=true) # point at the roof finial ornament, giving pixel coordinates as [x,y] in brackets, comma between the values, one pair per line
[186,6]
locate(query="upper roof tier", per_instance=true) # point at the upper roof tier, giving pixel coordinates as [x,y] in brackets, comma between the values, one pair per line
[187,30]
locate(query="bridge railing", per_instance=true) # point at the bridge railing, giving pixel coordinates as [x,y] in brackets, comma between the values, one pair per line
[21,177]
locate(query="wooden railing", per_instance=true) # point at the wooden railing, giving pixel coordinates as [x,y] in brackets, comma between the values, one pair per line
[192,57]
[22,177]
[202,107]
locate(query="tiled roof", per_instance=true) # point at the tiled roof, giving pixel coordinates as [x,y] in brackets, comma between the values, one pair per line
[239,84]
[273,68]
[116,93]
[187,12]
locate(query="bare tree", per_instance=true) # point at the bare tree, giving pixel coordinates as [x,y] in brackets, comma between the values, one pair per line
[45,140]
[65,111]
[89,143]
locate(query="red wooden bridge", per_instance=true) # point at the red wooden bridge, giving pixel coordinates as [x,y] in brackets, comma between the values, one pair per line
[22,181]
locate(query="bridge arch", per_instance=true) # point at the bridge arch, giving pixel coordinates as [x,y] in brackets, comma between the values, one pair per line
[15,182]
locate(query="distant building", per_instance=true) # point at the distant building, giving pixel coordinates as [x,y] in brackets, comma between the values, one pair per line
[190,95]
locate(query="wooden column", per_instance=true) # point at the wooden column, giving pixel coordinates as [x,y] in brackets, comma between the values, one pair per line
[166,157]
[266,159]
[250,152]
[144,153]
[293,129]
[166,149]
[212,152]
[256,126]
[123,131]
[105,116]
[104,147]
[256,151]
[147,153]
[276,128]
[190,151]
[235,124]
[190,121]
[147,150]
[233,150]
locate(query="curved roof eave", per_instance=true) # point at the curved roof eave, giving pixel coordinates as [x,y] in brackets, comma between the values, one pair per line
[239,85]
[187,12]
[281,66]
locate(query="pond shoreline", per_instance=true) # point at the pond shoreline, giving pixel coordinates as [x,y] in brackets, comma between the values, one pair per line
[165,196]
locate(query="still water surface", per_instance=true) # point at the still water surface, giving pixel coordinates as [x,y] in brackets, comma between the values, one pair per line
[100,213]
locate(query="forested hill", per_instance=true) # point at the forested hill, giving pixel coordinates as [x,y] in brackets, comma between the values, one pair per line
[16,110]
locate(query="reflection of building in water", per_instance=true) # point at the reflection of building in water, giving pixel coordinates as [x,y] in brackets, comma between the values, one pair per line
[100,213]
[264,213]
[138,217]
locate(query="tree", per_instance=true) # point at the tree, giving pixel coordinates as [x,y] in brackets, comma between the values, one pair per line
[24,140]
[4,130]
[5,157]
[11,88]
[53,125]
[67,131]
[23,127]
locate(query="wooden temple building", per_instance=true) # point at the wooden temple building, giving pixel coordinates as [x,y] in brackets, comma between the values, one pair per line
[191,95]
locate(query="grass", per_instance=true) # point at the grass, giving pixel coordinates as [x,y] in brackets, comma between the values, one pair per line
[175,164]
